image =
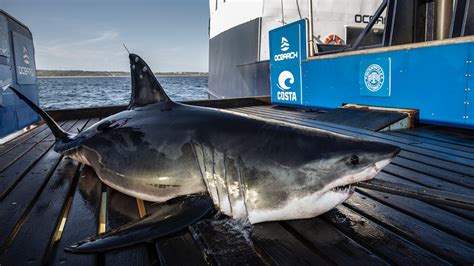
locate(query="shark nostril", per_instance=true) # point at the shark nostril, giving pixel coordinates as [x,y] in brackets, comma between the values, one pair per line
[354,159]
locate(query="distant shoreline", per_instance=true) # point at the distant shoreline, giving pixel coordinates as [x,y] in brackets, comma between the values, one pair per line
[158,75]
[107,74]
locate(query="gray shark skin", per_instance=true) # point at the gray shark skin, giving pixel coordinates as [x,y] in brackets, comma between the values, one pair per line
[252,169]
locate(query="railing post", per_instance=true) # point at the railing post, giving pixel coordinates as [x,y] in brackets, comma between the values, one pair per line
[310,28]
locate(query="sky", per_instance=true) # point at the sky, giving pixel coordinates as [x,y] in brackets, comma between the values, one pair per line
[171,35]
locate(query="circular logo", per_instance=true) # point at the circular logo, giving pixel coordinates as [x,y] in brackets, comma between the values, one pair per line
[283,78]
[374,77]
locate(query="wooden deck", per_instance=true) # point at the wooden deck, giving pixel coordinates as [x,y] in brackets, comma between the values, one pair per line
[48,201]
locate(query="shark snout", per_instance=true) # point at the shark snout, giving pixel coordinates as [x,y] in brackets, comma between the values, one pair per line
[385,155]
[381,155]
[363,166]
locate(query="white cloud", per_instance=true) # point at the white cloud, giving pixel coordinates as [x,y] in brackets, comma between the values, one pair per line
[96,52]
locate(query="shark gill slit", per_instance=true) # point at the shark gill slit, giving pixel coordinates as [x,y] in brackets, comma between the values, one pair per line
[219,177]
[205,163]
[202,166]
[213,161]
[242,187]
[209,176]
[227,182]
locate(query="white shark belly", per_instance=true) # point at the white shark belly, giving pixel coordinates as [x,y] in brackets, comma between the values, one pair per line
[299,208]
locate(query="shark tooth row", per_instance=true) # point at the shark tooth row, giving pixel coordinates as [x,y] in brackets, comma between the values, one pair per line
[346,188]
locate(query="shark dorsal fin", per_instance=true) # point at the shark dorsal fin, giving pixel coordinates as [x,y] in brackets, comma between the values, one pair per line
[145,87]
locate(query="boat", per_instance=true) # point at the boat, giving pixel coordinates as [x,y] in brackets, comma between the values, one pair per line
[17,67]
[412,90]
[239,49]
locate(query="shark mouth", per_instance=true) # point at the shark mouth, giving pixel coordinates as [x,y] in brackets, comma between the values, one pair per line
[346,185]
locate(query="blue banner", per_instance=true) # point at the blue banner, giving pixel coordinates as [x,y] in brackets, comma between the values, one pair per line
[287,50]
[24,59]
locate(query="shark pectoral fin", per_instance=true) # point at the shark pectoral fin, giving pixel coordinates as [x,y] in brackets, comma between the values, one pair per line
[170,218]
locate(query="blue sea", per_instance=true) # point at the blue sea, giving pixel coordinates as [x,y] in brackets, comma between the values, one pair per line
[80,92]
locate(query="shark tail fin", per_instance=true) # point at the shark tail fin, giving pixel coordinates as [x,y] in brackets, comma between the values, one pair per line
[173,216]
[146,89]
[58,132]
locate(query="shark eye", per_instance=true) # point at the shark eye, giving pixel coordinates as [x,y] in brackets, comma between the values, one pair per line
[354,159]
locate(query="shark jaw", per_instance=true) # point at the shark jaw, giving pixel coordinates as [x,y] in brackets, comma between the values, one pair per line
[345,184]
[320,201]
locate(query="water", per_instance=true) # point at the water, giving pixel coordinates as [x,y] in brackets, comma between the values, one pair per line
[74,92]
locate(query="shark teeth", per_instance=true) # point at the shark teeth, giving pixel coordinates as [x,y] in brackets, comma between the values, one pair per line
[344,189]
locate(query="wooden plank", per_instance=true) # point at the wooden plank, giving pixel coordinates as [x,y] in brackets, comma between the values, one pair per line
[334,244]
[226,242]
[281,112]
[122,209]
[469,215]
[438,242]
[46,212]
[282,248]
[45,209]
[231,103]
[12,175]
[439,173]
[455,152]
[18,202]
[20,139]
[406,133]
[15,172]
[372,120]
[14,207]
[466,214]
[443,164]
[424,179]
[12,156]
[379,239]
[436,217]
[311,119]
[446,137]
[81,222]
[179,250]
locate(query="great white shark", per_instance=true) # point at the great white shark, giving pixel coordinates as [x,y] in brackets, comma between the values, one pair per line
[197,159]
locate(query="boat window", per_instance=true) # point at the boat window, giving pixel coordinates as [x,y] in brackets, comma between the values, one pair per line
[4,38]
[463,19]
[374,37]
